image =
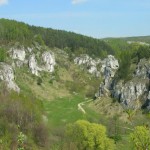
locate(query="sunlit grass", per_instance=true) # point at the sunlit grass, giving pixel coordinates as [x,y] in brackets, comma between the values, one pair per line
[65,110]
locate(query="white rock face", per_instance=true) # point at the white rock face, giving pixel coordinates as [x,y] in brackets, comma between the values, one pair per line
[7,75]
[109,67]
[49,60]
[135,89]
[110,62]
[90,64]
[33,65]
[143,69]
[129,92]
[18,54]
[30,49]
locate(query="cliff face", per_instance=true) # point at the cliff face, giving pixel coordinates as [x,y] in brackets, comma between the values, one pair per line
[7,75]
[133,93]
[89,64]
[21,57]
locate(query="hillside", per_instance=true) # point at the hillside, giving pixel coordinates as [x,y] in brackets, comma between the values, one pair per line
[61,90]
[145,39]
[11,31]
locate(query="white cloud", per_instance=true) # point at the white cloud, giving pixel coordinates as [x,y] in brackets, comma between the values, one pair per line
[3,2]
[74,2]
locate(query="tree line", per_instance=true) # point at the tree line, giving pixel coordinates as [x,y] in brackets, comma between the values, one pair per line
[13,31]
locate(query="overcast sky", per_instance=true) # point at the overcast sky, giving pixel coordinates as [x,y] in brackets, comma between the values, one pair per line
[96,18]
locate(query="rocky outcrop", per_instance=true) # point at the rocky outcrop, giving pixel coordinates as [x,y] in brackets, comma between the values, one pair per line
[33,65]
[106,67]
[47,58]
[89,64]
[109,67]
[18,54]
[7,75]
[49,61]
[131,92]
[22,56]
[135,89]
[143,69]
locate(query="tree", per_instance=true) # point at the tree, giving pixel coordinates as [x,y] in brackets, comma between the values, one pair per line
[143,52]
[125,62]
[141,138]
[39,39]
[89,136]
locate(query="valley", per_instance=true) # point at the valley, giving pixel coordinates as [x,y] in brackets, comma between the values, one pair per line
[62,91]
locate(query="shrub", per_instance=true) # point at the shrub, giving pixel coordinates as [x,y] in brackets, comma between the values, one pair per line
[39,81]
[141,138]
[41,135]
[89,136]
[2,55]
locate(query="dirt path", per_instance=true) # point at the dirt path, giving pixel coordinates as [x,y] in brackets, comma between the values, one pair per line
[81,104]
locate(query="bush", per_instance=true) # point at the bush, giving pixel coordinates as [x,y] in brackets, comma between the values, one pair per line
[19,113]
[39,81]
[2,55]
[141,138]
[143,52]
[41,135]
[89,136]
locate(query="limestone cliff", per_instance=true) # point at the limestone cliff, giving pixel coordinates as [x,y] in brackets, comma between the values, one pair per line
[133,93]
[7,75]
[89,64]
[31,57]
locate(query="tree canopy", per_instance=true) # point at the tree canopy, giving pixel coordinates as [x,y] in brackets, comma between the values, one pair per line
[141,138]
[89,136]
[13,31]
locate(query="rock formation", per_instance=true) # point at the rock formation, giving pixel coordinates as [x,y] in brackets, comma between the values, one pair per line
[133,93]
[33,65]
[109,67]
[18,54]
[7,75]
[88,63]
[49,60]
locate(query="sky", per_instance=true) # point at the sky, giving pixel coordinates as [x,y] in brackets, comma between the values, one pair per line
[95,18]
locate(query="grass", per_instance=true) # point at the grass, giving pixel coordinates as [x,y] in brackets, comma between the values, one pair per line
[125,143]
[62,111]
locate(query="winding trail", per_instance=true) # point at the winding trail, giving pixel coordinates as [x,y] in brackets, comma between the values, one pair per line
[81,104]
